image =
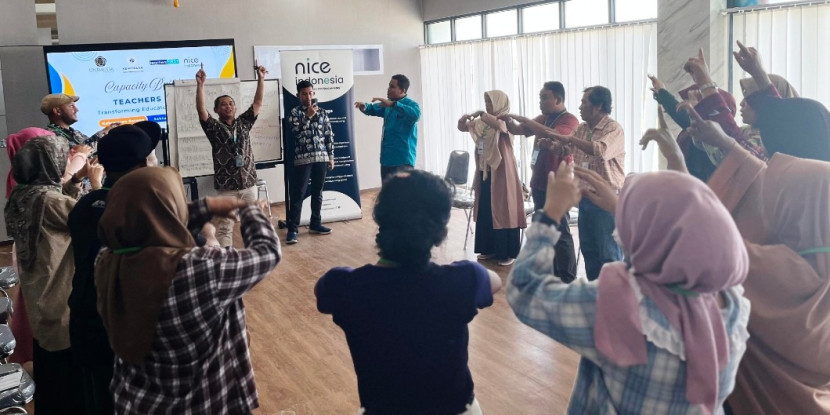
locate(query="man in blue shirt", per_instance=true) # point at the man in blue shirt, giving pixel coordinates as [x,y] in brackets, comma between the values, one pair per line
[400,126]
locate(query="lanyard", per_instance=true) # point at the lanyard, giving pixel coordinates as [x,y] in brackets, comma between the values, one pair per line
[228,130]
[823,249]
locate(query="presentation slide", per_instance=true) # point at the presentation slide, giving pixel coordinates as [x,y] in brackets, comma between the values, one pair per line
[124,83]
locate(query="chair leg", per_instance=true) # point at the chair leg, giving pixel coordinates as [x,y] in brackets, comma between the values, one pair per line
[467,233]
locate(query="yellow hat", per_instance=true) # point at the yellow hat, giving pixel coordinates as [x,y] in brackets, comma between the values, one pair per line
[52,101]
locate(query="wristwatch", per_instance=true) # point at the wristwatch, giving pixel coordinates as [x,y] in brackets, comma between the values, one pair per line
[542,217]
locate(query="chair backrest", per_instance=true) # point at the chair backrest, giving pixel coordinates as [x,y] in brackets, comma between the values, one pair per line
[458,167]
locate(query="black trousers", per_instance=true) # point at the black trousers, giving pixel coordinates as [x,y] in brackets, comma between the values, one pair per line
[564,264]
[96,380]
[57,382]
[297,188]
[386,171]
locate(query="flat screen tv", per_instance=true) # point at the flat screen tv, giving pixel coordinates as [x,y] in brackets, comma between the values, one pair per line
[124,82]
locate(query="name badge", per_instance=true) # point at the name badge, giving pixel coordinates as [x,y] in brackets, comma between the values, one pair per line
[534,157]
[239,161]
[480,145]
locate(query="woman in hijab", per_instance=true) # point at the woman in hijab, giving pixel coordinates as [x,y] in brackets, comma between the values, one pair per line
[75,170]
[700,163]
[499,208]
[781,210]
[799,127]
[662,332]
[173,312]
[36,217]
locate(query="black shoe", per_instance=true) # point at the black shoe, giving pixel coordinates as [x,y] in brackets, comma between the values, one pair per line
[319,229]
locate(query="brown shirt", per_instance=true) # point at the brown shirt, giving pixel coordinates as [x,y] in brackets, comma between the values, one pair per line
[608,140]
[226,176]
[46,286]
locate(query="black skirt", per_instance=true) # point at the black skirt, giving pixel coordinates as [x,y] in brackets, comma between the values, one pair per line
[499,243]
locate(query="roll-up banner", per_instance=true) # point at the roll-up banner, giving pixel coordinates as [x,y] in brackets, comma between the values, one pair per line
[332,74]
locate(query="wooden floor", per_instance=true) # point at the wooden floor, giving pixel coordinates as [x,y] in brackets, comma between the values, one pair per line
[301,360]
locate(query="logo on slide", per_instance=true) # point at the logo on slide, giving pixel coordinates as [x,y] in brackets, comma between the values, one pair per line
[101,63]
[191,62]
[164,62]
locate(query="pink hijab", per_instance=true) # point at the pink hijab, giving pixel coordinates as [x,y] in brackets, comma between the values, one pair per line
[684,248]
[14,143]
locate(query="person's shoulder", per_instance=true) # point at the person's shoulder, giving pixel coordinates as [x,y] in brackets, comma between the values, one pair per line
[96,199]
[567,117]
[339,273]
[463,267]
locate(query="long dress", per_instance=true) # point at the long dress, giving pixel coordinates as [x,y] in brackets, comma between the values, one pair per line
[499,208]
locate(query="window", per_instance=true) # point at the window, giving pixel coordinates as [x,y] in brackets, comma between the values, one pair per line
[468,28]
[579,13]
[503,23]
[439,32]
[633,10]
[540,18]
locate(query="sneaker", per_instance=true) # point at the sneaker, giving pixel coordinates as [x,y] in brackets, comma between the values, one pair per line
[484,257]
[291,239]
[507,262]
[319,229]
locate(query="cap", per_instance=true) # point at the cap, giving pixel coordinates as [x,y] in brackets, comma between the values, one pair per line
[52,101]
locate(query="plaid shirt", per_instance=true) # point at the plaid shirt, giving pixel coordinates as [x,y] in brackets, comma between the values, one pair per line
[567,313]
[226,176]
[199,362]
[608,140]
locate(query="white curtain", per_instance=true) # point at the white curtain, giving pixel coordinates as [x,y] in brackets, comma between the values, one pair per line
[456,76]
[792,43]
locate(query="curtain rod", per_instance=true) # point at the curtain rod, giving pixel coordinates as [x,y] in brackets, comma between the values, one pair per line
[761,7]
[550,32]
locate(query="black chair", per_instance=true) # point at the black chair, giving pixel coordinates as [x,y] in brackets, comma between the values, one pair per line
[457,175]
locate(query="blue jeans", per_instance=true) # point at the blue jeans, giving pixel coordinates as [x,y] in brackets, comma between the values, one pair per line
[595,240]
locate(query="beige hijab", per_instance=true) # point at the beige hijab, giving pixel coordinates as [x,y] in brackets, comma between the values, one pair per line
[786,368]
[749,86]
[491,159]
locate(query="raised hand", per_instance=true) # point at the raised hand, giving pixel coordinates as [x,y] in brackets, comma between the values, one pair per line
[696,66]
[748,59]
[82,149]
[708,132]
[562,191]
[260,70]
[656,84]
[201,75]
[661,135]
[384,103]
[601,194]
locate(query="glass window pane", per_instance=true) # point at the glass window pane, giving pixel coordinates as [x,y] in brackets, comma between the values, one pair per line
[633,10]
[468,28]
[540,18]
[439,32]
[579,13]
[503,23]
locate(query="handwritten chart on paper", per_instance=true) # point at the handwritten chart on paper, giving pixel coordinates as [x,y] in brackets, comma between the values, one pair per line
[190,150]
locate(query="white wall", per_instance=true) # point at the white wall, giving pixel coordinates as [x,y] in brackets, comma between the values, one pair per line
[439,9]
[397,24]
[18,25]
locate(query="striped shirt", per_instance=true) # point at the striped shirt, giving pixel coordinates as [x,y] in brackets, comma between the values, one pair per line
[608,158]
[199,362]
[567,313]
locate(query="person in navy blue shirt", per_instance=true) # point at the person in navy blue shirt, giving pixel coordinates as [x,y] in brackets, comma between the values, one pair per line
[405,318]
[400,113]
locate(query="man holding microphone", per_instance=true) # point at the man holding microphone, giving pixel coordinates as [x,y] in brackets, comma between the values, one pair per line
[313,157]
